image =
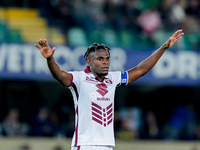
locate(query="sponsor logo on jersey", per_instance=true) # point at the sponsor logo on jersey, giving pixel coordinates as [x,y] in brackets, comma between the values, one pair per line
[102,89]
[107,80]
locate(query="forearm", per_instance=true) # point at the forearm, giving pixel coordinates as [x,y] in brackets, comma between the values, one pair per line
[63,77]
[54,68]
[147,64]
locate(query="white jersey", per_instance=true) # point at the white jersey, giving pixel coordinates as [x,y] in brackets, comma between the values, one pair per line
[94,106]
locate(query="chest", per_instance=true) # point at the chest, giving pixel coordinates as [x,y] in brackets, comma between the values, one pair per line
[97,91]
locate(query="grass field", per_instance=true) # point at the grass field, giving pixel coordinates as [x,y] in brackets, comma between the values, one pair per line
[50,144]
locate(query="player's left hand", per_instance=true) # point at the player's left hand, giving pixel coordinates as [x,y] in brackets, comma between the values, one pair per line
[175,37]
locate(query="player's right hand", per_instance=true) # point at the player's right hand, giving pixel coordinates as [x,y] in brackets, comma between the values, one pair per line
[44,48]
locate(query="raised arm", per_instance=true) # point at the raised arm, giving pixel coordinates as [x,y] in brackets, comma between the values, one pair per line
[62,76]
[147,64]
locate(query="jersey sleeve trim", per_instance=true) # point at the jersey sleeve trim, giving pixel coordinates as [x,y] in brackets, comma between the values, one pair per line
[124,78]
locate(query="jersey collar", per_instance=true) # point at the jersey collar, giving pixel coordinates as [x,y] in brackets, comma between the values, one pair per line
[87,70]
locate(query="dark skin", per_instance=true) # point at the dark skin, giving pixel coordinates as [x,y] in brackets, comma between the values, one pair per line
[99,61]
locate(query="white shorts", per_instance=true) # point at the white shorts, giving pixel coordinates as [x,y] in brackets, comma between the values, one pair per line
[92,147]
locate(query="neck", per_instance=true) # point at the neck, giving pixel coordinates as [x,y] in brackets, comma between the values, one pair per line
[99,77]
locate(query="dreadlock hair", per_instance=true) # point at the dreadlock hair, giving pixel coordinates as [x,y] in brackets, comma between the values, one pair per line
[94,47]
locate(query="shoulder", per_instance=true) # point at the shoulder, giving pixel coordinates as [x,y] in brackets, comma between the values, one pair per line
[117,73]
[119,77]
[114,75]
[77,74]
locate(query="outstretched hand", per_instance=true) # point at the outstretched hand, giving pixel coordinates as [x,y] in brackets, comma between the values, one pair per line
[175,37]
[44,48]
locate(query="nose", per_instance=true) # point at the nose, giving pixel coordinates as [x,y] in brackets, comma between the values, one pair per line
[106,61]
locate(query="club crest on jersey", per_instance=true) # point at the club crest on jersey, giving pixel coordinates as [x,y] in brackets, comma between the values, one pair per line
[103,116]
[102,89]
[107,80]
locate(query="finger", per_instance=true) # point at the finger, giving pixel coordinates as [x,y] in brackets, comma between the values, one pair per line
[177,32]
[46,42]
[37,46]
[41,42]
[53,49]
[180,36]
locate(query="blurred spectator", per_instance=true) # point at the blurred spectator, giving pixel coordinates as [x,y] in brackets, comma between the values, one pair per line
[64,10]
[58,147]
[110,9]
[80,14]
[165,13]
[126,132]
[177,13]
[58,13]
[11,3]
[131,120]
[193,8]
[182,123]
[149,20]
[41,126]
[25,147]
[150,128]
[117,122]
[56,124]
[12,127]
[68,125]
[128,18]
[128,15]
[88,14]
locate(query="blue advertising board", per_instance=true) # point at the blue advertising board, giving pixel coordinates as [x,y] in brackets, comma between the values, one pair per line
[24,62]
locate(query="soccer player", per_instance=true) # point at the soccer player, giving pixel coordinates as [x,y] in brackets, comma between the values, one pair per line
[93,91]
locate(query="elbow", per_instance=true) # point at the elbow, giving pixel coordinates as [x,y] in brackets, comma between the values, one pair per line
[142,74]
[142,71]
[57,77]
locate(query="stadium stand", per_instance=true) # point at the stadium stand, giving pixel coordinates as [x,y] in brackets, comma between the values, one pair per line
[2,32]
[77,37]
[26,25]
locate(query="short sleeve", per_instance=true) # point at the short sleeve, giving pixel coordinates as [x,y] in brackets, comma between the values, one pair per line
[75,76]
[120,78]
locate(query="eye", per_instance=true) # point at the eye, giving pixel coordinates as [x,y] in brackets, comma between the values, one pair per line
[100,59]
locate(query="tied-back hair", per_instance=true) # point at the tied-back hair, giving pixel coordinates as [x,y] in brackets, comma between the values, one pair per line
[94,47]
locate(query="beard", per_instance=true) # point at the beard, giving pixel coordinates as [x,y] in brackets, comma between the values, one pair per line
[99,72]
[104,74]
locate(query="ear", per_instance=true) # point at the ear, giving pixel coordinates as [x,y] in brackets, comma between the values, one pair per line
[89,62]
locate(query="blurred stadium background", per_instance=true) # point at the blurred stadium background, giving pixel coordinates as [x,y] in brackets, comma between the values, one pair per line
[159,111]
